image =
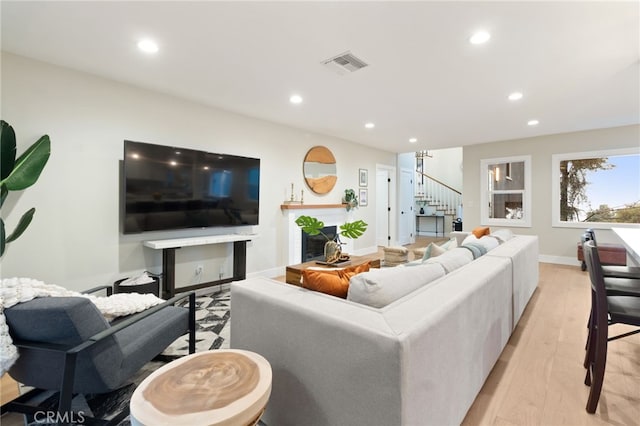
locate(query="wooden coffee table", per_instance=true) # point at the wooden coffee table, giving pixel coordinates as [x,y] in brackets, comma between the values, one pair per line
[222,387]
[294,272]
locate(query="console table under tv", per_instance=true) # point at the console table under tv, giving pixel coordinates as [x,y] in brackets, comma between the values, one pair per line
[169,247]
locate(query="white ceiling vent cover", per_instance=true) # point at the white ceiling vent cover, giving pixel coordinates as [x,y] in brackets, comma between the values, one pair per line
[345,63]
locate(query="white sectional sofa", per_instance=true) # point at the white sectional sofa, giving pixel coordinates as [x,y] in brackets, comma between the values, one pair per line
[420,360]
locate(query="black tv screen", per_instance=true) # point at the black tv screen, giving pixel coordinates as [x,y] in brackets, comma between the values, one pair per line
[167,188]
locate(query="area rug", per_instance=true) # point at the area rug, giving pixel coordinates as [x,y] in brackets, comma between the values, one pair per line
[212,332]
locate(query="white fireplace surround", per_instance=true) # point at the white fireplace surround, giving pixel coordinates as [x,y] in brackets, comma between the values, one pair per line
[330,216]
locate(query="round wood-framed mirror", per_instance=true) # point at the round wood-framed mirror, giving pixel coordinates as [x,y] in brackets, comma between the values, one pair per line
[319,169]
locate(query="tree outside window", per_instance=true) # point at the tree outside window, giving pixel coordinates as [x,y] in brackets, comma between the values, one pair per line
[596,188]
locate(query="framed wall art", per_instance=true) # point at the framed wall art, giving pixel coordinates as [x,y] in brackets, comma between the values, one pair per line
[364,197]
[364,177]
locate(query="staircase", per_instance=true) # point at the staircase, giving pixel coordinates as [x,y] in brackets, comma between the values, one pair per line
[436,197]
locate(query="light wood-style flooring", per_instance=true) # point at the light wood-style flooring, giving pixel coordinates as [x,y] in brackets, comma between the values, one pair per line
[539,377]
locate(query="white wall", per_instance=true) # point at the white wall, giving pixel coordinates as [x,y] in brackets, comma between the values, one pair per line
[556,244]
[75,238]
[446,166]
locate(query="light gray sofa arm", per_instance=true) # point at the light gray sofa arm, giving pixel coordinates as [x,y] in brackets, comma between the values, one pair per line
[459,236]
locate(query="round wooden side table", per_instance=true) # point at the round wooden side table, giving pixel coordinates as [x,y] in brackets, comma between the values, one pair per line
[225,387]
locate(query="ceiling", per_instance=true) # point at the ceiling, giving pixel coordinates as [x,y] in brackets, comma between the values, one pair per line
[577,63]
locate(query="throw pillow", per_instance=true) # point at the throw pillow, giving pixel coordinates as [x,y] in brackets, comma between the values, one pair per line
[436,250]
[480,231]
[331,281]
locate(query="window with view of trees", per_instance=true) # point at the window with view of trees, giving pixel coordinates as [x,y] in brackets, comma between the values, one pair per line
[600,187]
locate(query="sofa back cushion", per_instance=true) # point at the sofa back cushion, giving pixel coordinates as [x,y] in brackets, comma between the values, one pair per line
[452,259]
[379,287]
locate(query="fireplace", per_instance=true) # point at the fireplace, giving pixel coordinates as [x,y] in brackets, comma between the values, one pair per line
[313,245]
[332,216]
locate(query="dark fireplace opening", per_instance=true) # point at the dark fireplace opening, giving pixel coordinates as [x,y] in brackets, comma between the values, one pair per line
[313,245]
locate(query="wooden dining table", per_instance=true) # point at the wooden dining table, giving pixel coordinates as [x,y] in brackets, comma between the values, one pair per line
[631,239]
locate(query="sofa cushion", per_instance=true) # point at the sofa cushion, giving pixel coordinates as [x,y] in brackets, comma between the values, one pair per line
[379,287]
[332,281]
[502,235]
[476,249]
[452,259]
[487,241]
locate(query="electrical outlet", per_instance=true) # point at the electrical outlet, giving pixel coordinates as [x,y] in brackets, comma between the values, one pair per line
[199,269]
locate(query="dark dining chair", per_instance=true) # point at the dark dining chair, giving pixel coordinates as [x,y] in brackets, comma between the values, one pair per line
[605,310]
[615,271]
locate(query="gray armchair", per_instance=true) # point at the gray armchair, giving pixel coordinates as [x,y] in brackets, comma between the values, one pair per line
[66,344]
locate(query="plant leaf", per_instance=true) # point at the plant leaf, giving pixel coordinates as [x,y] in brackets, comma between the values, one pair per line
[3,194]
[29,165]
[25,220]
[353,229]
[2,241]
[7,149]
[310,225]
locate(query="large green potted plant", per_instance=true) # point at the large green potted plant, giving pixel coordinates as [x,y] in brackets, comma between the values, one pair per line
[332,249]
[17,174]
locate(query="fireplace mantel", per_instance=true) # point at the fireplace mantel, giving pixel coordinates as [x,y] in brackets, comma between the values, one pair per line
[311,206]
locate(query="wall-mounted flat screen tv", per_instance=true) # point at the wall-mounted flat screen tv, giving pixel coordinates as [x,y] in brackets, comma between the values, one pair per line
[167,187]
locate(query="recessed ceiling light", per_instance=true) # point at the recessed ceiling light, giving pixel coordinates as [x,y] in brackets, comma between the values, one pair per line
[515,96]
[295,99]
[369,125]
[533,122]
[148,46]
[480,37]
[173,163]
[413,140]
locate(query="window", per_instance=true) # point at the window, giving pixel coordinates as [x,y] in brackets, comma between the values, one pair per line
[598,188]
[506,191]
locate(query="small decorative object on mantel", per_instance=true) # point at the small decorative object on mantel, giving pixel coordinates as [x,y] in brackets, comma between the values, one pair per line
[293,200]
[350,199]
[332,248]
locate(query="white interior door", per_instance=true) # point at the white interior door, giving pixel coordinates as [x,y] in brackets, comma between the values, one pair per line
[382,207]
[407,217]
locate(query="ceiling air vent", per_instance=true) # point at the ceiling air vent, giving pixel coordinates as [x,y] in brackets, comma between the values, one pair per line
[345,63]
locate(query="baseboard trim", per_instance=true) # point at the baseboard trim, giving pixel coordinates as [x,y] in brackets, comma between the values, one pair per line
[269,273]
[559,260]
[366,251]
